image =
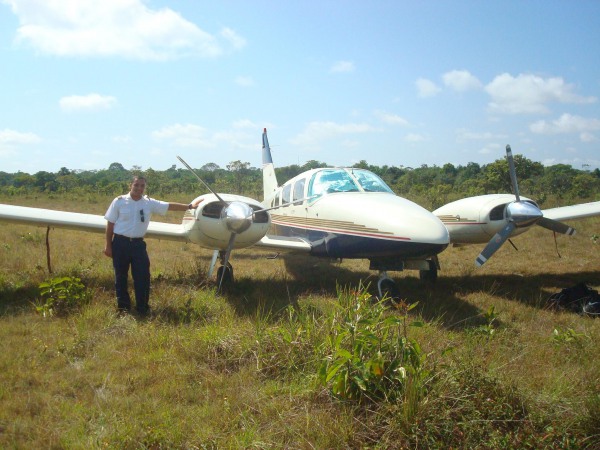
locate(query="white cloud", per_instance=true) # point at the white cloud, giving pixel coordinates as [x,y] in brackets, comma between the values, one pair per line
[122,139]
[236,41]
[461,80]
[530,94]
[245,123]
[184,135]
[413,137]
[8,136]
[316,132]
[11,139]
[587,137]
[342,66]
[463,135]
[391,119]
[197,137]
[244,81]
[568,123]
[426,88]
[490,149]
[90,102]
[125,28]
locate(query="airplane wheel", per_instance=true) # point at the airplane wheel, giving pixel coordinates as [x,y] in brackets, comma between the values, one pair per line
[228,277]
[429,276]
[387,289]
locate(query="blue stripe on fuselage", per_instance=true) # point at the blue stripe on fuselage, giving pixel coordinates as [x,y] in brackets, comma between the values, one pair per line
[342,245]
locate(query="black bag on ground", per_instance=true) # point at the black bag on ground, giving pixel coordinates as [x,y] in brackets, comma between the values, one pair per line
[579,298]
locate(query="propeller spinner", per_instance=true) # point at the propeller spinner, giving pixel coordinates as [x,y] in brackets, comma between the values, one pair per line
[519,214]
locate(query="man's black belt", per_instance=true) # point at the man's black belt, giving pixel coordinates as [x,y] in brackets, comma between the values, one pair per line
[120,236]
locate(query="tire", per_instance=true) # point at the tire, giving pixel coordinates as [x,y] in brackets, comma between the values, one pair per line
[225,274]
[388,289]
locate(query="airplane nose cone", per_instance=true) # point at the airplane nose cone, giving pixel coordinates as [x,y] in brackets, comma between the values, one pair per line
[523,213]
[411,222]
[416,222]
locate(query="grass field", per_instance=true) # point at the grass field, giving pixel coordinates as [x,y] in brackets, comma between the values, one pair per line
[497,368]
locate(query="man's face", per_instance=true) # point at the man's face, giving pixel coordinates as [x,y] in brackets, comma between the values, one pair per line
[137,188]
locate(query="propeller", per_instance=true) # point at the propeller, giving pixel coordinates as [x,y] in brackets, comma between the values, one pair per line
[520,214]
[237,217]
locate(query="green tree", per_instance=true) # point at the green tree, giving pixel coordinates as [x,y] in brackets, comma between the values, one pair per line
[584,185]
[238,170]
[497,174]
[558,179]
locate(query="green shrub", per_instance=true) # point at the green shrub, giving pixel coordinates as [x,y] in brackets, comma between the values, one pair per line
[368,355]
[60,295]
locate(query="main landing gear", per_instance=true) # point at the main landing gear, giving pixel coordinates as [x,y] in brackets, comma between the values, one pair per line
[387,288]
[430,275]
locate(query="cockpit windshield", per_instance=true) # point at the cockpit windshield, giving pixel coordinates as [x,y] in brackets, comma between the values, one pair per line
[332,180]
[369,181]
[327,181]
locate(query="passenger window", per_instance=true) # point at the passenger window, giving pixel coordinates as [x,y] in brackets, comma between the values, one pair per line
[285,197]
[299,191]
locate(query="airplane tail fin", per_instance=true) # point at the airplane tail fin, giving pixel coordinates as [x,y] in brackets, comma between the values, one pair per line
[269,179]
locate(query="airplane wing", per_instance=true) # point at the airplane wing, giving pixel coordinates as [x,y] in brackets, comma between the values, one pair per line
[284,243]
[580,211]
[83,222]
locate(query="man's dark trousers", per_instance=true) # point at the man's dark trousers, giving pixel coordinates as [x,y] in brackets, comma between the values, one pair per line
[131,252]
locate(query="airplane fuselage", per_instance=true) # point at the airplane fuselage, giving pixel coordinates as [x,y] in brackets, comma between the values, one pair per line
[351,213]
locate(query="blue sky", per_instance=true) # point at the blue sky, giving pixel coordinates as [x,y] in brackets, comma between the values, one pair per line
[86,83]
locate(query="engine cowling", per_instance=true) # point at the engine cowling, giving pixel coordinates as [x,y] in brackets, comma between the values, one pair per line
[213,222]
[474,220]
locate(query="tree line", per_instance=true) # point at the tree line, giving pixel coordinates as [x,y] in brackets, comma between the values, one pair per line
[433,185]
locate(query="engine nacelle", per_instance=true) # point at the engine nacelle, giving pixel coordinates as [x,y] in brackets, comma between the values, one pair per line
[474,220]
[210,225]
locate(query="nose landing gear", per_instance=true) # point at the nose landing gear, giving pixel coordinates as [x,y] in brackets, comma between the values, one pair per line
[387,288]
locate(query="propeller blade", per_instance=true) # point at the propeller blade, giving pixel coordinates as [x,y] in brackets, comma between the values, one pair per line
[226,259]
[513,172]
[555,225]
[494,244]
[201,180]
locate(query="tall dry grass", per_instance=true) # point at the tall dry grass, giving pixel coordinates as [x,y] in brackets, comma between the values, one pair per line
[240,370]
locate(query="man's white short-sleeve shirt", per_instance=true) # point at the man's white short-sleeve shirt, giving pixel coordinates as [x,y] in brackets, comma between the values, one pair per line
[131,217]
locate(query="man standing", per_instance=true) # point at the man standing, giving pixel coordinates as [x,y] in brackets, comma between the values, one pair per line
[127,219]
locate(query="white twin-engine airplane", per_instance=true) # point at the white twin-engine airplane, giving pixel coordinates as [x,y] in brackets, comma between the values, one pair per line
[337,213]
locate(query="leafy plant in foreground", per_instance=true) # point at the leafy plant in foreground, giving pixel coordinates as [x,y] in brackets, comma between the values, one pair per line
[369,356]
[61,294]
